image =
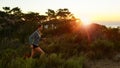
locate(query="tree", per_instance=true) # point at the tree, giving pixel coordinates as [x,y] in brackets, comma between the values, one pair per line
[51,14]
[15,10]
[63,13]
[31,17]
[7,9]
[42,18]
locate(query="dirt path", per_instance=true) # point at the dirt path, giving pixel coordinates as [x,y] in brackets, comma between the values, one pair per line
[103,63]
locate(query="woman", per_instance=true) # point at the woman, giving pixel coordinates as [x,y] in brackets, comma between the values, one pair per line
[34,39]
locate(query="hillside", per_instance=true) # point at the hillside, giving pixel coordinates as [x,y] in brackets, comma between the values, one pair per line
[68,43]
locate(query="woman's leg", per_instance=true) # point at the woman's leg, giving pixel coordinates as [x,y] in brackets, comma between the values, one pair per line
[32,51]
[38,49]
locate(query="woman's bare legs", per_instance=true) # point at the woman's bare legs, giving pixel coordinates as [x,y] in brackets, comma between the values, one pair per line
[32,52]
[37,49]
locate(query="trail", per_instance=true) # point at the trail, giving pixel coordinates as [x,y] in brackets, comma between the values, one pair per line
[103,63]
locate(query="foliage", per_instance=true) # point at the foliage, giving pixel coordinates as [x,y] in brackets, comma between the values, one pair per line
[102,48]
[51,61]
[67,42]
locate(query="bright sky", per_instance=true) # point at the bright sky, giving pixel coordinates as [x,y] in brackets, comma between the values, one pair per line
[94,10]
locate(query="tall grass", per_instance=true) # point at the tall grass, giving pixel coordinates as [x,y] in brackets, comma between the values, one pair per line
[44,61]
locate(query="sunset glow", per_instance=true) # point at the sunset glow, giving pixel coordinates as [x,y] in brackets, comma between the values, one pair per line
[85,21]
[93,10]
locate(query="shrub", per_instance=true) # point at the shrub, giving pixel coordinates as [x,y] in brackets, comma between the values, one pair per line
[74,63]
[51,61]
[102,48]
[7,56]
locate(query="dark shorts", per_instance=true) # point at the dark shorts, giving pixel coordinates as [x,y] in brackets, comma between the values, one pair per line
[34,46]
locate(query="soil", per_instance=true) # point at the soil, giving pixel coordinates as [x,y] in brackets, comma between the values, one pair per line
[102,63]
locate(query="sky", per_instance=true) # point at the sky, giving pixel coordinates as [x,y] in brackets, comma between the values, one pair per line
[106,12]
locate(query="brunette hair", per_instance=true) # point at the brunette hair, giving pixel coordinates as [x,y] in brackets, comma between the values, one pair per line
[39,26]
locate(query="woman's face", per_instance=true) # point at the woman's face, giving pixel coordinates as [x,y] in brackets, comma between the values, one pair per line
[40,28]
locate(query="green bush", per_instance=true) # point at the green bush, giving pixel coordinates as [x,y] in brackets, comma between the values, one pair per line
[56,61]
[18,63]
[44,61]
[7,56]
[74,62]
[102,48]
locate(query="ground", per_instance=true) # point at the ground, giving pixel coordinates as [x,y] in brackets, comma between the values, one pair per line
[103,63]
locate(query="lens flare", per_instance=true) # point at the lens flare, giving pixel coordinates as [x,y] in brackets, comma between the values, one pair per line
[85,21]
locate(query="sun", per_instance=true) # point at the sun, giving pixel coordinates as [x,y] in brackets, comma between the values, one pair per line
[85,21]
